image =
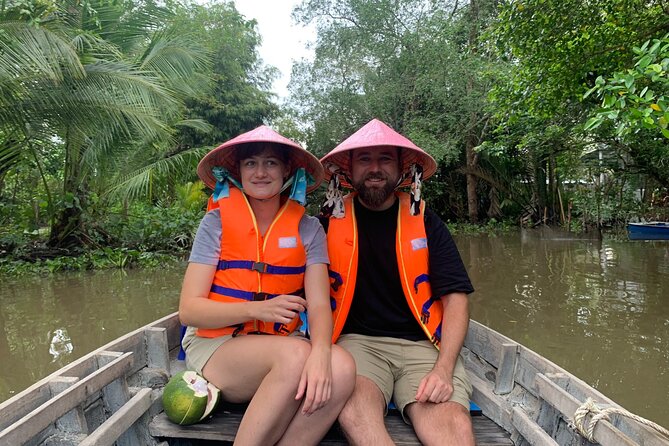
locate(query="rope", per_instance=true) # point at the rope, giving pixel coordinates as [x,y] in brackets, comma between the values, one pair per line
[589,407]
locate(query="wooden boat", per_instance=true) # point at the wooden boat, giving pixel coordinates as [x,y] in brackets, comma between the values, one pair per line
[112,396]
[654,230]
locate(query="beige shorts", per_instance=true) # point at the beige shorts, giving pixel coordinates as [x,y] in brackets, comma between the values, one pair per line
[199,350]
[397,366]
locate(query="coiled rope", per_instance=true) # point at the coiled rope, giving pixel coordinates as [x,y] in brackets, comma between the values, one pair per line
[589,407]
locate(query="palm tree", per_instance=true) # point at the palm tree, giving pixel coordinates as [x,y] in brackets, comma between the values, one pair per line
[103,79]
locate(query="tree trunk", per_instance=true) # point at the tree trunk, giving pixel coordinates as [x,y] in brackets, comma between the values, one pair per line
[471,136]
[540,186]
[66,227]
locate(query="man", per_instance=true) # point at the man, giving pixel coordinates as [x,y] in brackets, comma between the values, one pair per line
[399,291]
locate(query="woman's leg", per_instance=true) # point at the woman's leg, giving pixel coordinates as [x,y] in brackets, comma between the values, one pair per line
[264,370]
[309,430]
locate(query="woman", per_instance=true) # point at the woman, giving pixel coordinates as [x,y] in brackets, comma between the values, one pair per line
[255,254]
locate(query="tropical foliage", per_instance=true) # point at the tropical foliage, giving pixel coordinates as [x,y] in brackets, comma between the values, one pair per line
[497,92]
[538,111]
[105,103]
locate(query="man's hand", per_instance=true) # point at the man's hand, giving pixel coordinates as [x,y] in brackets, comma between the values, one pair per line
[282,309]
[436,386]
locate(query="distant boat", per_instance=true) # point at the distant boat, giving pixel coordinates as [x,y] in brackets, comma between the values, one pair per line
[652,230]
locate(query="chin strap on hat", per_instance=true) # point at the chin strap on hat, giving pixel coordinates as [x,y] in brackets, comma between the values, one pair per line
[334,196]
[300,181]
[222,189]
[416,172]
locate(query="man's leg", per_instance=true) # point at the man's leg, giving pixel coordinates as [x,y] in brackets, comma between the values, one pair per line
[446,423]
[361,419]
[441,424]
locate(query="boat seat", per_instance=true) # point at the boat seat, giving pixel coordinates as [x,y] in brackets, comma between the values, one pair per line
[222,427]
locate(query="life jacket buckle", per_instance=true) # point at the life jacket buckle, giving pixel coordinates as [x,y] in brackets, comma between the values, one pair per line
[260,267]
[259,297]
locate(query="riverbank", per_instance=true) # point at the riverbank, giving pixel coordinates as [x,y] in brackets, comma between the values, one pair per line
[36,259]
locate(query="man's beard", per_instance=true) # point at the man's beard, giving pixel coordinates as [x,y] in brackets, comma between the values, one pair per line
[374,196]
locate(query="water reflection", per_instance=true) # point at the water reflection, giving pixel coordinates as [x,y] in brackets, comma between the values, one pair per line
[46,323]
[61,345]
[595,308]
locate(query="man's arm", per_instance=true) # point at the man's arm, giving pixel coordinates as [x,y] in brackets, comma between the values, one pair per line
[437,386]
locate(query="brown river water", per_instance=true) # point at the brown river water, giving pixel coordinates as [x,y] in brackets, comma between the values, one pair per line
[598,309]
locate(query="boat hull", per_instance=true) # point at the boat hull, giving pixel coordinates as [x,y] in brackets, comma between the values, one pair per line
[113,396]
[648,231]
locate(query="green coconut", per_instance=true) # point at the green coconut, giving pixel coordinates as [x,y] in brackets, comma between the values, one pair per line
[188,398]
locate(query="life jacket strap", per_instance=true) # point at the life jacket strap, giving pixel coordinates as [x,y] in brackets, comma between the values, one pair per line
[250,296]
[420,279]
[260,267]
[425,311]
[337,280]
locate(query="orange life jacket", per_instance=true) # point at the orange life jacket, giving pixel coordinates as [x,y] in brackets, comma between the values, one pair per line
[254,267]
[412,262]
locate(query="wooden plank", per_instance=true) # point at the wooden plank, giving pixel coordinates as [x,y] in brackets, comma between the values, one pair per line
[492,405]
[115,395]
[73,421]
[605,433]
[581,391]
[530,430]
[487,343]
[507,370]
[222,427]
[37,420]
[158,352]
[15,408]
[29,399]
[120,421]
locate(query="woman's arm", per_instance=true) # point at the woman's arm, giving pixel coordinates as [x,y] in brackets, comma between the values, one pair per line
[317,292]
[197,310]
[316,383]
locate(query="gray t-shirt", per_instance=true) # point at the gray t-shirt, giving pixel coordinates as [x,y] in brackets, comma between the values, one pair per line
[207,243]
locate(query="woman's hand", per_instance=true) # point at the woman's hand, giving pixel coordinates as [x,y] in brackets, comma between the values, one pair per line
[282,308]
[316,382]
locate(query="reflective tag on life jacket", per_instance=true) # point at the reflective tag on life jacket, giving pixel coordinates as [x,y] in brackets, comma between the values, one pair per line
[287,242]
[419,243]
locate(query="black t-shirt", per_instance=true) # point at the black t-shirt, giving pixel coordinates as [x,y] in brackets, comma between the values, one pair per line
[379,307]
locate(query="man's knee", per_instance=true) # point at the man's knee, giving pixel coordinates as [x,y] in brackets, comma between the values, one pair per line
[366,403]
[444,420]
[343,367]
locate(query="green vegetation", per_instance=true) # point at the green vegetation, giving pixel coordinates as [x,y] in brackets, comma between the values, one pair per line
[538,111]
[105,110]
[506,96]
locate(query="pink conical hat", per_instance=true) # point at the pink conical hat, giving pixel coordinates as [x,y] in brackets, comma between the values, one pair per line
[224,156]
[376,134]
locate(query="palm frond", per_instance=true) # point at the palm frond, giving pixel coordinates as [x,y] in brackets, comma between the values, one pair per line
[196,124]
[139,183]
[29,51]
[177,60]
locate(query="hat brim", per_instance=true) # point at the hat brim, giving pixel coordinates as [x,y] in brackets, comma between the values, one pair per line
[409,156]
[376,133]
[225,156]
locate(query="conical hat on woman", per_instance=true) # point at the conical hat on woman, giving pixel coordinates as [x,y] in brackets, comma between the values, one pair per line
[377,134]
[224,156]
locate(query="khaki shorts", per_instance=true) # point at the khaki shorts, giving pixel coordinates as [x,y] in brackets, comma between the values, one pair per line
[397,366]
[199,350]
